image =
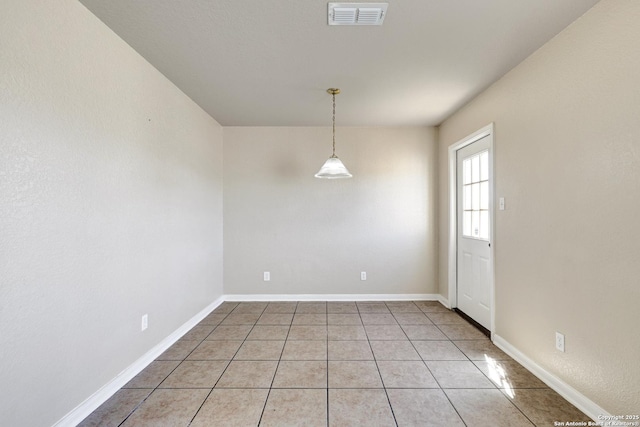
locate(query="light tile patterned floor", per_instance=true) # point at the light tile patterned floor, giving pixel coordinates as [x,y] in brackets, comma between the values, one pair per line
[337,364]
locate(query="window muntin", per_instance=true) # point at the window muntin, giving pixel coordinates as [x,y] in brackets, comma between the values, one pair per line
[475,196]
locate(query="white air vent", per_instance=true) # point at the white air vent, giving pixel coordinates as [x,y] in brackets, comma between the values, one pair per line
[357,13]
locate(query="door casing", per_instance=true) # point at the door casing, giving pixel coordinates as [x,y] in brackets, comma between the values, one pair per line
[486,131]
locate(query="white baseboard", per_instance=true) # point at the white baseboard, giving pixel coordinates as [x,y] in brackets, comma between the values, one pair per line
[444,301]
[573,396]
[92,403]
[333,297]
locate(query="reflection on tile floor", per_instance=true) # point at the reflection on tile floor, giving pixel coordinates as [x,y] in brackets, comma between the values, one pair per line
[397,363]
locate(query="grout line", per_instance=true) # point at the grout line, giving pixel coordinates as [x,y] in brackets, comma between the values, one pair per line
[434,377]
[228,362]
[135,408]
[327,354]
[179,363]
[431,372]
[277,366]
[453,406]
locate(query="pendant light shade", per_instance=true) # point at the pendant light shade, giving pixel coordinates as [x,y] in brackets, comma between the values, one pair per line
[333,167]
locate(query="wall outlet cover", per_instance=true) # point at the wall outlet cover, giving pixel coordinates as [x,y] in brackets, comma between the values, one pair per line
[145,322]
[559,342]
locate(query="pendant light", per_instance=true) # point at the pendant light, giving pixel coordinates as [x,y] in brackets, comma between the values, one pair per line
[333,167]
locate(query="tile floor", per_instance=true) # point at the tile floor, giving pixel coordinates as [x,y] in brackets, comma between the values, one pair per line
[334,363]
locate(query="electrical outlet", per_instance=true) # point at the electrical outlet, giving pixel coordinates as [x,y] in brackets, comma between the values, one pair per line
[267,276]
[145,322]
[363,275]
[559,342]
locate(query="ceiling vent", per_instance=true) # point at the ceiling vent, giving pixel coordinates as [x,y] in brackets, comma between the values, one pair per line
[357,13]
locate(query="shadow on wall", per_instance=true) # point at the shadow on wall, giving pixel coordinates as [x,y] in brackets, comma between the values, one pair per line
[289,167]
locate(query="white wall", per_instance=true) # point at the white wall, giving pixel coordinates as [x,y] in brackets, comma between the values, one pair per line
[316,236]
[110,207]
[567,160]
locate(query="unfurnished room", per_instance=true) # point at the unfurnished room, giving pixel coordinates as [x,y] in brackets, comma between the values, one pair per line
[308,213]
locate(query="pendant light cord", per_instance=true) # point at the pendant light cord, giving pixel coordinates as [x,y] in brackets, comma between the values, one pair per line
[334,125]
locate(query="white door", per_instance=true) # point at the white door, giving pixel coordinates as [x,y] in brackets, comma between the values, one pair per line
[473,231]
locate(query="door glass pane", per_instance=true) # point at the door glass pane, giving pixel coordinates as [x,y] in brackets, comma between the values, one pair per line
[484,195]
[484,225]
[475,197]
[475,223]
[484,166]
[466,223]
[466,171]
[475,169]
[466,198]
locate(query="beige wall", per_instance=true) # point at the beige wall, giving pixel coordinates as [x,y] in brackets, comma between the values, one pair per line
[567,160]
[110,207]
[316,236]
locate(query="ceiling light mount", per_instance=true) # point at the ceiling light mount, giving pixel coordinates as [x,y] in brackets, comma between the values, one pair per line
[333,167]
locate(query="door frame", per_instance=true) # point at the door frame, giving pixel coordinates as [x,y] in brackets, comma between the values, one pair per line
[486,131]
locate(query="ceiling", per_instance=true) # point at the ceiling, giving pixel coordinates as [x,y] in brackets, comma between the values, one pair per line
[269,63]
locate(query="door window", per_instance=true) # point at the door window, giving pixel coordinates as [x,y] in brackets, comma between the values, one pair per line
[475,196]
